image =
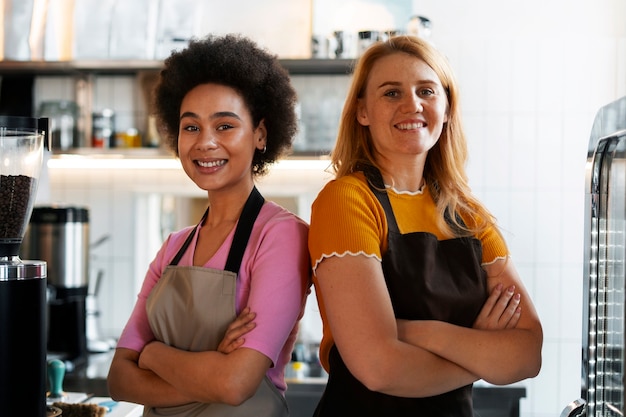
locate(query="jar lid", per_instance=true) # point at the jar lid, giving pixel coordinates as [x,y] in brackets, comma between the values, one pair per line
[18,122]
[59,214]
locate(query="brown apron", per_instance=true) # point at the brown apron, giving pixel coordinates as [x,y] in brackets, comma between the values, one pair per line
[427,279]
[191,307]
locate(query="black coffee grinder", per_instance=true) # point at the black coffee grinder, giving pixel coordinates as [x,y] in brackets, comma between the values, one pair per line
[22,282]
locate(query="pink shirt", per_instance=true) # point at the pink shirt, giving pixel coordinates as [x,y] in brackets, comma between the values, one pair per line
[273,280]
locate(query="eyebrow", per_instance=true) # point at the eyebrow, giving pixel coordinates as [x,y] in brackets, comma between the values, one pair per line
[386,83]
[213,116]
[397,83]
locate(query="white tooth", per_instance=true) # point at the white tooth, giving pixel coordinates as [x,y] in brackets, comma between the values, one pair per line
[211,164]
[407,126]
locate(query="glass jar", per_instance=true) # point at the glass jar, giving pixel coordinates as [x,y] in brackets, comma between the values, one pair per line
[103,129]
[63,116]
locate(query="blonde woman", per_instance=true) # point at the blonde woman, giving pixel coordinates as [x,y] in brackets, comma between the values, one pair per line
[418,295]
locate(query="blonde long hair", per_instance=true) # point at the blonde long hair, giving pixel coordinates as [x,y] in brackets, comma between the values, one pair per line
[444,171]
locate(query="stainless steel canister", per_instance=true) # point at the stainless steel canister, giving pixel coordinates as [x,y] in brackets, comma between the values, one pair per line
[60,236]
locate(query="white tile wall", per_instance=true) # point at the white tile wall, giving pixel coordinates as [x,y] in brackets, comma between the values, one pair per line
[532,75]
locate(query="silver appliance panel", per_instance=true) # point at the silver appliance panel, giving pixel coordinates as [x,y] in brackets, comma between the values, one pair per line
[604,337]
[603,341]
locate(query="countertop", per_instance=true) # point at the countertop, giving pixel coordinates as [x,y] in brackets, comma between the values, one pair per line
[302,394]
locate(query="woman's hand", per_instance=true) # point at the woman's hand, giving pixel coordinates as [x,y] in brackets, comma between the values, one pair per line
[141,360]
[233,338]
[500,311]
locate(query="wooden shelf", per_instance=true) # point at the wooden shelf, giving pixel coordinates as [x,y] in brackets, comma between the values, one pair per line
[105,67]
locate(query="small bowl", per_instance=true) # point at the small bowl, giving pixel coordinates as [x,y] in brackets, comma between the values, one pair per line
[53,411]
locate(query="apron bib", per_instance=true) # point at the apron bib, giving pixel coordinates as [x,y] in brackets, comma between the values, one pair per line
[191,307]
[427,279]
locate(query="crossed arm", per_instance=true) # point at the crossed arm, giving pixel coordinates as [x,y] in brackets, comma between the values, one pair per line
[503,346]
[425,358]
[163,376]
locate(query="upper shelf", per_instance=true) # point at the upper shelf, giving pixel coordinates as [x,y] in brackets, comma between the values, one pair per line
[105,67]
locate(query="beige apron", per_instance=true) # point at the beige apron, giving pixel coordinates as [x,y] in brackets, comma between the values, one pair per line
[191,307]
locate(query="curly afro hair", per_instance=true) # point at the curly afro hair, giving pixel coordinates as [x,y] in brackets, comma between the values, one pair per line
[239,63]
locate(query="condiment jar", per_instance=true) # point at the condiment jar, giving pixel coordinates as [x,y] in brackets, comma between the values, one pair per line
[63,115]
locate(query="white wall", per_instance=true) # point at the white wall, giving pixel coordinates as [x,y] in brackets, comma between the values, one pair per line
[532,76]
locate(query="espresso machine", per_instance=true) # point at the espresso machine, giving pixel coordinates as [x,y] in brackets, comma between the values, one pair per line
[22,282]
[59,235]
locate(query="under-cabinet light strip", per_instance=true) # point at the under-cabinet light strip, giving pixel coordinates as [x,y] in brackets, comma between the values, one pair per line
[82,162]
[113,162]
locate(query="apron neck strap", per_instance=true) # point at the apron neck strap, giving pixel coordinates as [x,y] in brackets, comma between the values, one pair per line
[244,228]
[187,242]
[376,184]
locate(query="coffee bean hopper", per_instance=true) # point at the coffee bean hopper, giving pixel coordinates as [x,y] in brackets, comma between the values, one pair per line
[22,282]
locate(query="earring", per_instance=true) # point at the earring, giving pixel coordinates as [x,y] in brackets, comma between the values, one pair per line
[264,149]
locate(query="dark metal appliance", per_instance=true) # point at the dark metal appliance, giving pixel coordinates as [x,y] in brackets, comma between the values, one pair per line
[60,236]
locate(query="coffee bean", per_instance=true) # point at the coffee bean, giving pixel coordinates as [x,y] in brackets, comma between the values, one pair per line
[17,193]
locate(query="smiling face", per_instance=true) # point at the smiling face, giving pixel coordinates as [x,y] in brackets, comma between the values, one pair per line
[216,138]
[404,106]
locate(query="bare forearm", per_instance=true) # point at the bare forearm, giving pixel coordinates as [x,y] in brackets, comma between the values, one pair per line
[497,356]
[127,382]
[414,372]
[171,365]
[208,376]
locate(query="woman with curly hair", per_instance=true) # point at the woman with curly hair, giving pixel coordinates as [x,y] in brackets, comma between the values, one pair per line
[418,295]
[216,318]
